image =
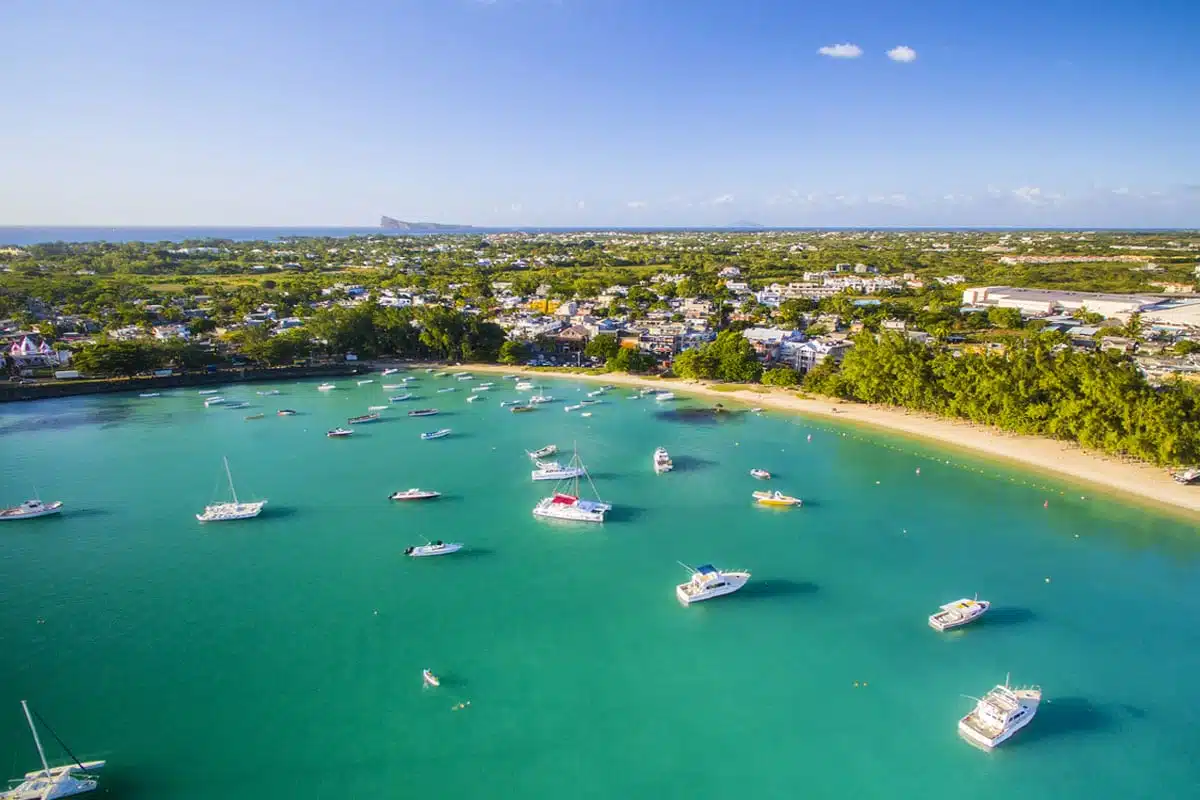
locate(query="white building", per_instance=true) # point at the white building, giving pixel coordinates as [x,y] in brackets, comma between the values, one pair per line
[165,333]
[1044,302]
[803,356]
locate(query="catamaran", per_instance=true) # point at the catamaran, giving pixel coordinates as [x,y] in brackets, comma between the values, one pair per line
[999,714]
[662,461]
[226,512]
[708,582]
[958,613]
[49,783]
[561,505]
[30,509]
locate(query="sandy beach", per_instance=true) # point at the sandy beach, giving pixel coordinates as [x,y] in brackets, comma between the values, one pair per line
[1136,481]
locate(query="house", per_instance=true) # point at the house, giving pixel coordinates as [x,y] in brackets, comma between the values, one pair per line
[803,356]
[166,333]
[729,272]
[572,339]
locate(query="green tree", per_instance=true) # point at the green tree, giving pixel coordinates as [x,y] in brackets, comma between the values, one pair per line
[628,359]
[112,357]
[1007,318]
[514,352]
[781,376]
[1186,347]
[603,347]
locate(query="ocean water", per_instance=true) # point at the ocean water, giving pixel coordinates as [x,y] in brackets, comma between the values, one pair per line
[282,656]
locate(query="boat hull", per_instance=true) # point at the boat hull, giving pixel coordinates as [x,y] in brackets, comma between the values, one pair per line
[733,582]
[231,512]
[49,509]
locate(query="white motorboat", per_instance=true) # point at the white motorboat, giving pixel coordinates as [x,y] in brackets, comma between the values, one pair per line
[662,461]
[465,378]
[377,408]
[365,382]
[429,679]
[208,391]
[338,433]
[326,387]
[575,407]
[999,714]
[442,434]
[461,375]
[663,397]
[523,386]
[548,450]
[475,397]
[644,392]
[761,474]
[590,402]
[214,401]
[148,395]
[269,393]
[240,404]
[509,377]
[389,371]
[415,494]
[423,412]
[227,512]
[596,393]
[708,582]
[30,509]
[400,398]
[438,548]
[572,507]
[522,409]
[509,403]
[363,419]
[554,471]
[391,387]
[50,783]
[958,613]
[486,385]
[448,389]
[440,374]
[482,388]
[586,414]
[286,412]
[1187,476]
[541,398]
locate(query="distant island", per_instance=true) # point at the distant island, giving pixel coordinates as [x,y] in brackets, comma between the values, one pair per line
[743,223]
[390,224]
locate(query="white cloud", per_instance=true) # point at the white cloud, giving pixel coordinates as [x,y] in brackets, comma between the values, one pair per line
[723,200]
[902,54]
[636,204]
[846,50]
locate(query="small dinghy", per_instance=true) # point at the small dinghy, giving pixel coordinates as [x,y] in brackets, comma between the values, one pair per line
[475,397]
[390,371]
[438,548]
[326,387]
[149,394]
[429,679]
[253,416]
[777,499]
[377,408]
[548,450]
[285,412]
[270,393]
[761,474]
[208,391]
[448,389]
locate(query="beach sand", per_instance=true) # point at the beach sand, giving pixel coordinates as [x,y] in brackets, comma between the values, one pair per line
[1136,480]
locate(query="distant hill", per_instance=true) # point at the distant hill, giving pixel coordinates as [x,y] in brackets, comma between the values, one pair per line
[387,223]
[743,223]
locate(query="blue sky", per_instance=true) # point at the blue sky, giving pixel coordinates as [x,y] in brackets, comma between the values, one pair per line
[600,112]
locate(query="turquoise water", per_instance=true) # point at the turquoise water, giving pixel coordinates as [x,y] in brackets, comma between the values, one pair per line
[281,657]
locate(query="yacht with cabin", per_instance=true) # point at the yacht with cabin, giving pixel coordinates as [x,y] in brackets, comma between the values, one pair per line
[662,461]
[999,714]
[50,783]
[708,582]
[30,509]
[227,512]
[570,506]
[958,613]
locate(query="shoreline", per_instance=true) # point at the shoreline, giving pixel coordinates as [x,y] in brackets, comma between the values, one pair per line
[1131,481]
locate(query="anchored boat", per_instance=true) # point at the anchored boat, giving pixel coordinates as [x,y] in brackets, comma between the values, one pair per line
[776,498]
[423,412]
[362,419]
[708,582]
[958,613]
[30,509]
[227,512]
[438,548]
[548,450]
[415,494]
[999,714]
[571,507]
[662,461]
[761,474]
[443,433]
[50,783]
[338,433]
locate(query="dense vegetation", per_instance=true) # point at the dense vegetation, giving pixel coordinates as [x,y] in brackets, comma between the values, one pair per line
[1036,386]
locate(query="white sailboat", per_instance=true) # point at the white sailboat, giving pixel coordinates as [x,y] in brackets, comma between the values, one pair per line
[562,505]
[52,782]
[226,512]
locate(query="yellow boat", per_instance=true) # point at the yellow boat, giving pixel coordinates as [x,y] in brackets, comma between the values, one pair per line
[776,499]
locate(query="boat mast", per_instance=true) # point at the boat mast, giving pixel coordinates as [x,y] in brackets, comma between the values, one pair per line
[36,740]
[229,475]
